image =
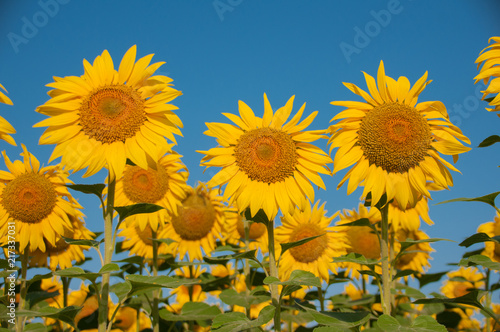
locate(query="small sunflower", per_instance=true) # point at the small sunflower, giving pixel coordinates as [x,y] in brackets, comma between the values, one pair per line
[106,116]
[234,230]
[164,185]
[393,142]
[36,200]
[456,288]
[140,242]
[409,219]
[360,239]
[198,223]
[489,58]
[61,255]
[183,294]
[266,163]
[5,127]
[53,285]
[491,249]
[126,319]
[314,256]
[417,256]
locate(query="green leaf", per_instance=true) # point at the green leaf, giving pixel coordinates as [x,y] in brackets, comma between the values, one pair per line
[343,320]
[489,141]
[428,278]
[167,241]
[130,210]
[131,260]
[95,189]
[66,314]
[145,283]
[78,272]
[237,321]
[472,298]
[34,297]
[192,311]
[231,297]
[404,273]
[90,243]
[420,324]
[488,199]
[480,260]
[408,243]
[108,268]
[121,289]
[479,238]
[260,217]
[226,258]
[355,258]
[328,329]
[289,245]
[411,292]
[297,278]
[35,327]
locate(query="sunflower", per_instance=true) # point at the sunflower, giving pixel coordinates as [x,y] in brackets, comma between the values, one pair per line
[62,254]
[489,58]
[266,163]
[5,127]
[140,242]
[491,249]
[53,285]
[183,294]
[360,239]
[417,256]
[163,185]
[409,219]
[126,319]
[393,142]
[198,223]
[36,201]
[456,285]
[106,116]
[234,231]
[316,255]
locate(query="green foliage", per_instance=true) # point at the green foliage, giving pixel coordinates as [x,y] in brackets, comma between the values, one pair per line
[338,319]
[479,238]
[130,210]
[489,141]
[488,199]
[237,321]
[420,324]
[192,311]
[481,260]
[256,296]
[290,245]
[141,284]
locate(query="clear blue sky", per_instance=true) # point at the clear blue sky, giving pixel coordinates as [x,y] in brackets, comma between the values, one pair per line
[219,52]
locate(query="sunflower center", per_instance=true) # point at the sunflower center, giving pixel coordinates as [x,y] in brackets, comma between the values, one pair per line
[146,235]
[195,219]
[312,250]
[112,113]
[395,137]
[255,231]
[145,186]
[29,198]
[266,154]
[363,241]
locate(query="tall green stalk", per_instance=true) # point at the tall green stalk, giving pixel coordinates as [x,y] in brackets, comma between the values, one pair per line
[108,254]
[246,265]
[273,271]
[156,292]
[24,290]
[384,251]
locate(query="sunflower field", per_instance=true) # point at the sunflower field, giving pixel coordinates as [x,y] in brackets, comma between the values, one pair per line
[109,231]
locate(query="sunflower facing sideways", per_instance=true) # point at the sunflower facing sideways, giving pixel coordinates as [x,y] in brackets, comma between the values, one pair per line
[37,200]
[267,164]
[492,229]
[5,127]
[393,142]
[140,242]
[105,116]
[489,58]
[234,231]
[316,255]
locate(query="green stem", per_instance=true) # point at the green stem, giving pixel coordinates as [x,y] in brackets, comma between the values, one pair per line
[24,290]
[321,299]
[156,292]
[246,266]
[108,253]
[487,297]
[273,271]
[384,251]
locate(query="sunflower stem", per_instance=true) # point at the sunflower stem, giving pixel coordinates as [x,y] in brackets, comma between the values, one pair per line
[156,292]
[246,266]
[384,250]
[487,297]
[24,290]
[108,253]
[273,271]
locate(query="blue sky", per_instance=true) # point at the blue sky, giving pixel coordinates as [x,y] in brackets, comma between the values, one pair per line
[219,52]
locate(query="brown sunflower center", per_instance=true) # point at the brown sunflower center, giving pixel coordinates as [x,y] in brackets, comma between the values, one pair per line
[145,186]
[29,198]
[112,113]
[255,231]
[195,219]
[145,235]
[266,154]
[395,137]
[363,241]
[312,250]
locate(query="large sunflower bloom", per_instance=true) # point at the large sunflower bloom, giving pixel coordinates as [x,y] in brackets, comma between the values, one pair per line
[266,163]
[164,185]
[198,223]
[489,58]
[491,249]
[316,255]
[36,201]
[106,116]
[5,127]
[393,142]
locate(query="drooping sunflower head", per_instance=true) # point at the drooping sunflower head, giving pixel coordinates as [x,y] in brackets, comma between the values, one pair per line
[5,127]
[316,255]
[266,163]
[491,249]
[198,223]
[393,142]
[409,219]
[106,115]
[37,200]
[234,231]
[489,59]
[164,185]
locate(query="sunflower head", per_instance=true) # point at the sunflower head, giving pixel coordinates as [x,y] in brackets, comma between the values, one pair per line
[491,249]
[393,142]
[106,115]
[5,127]
[267,163]
[489,61]
[234,231]
[417,256]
